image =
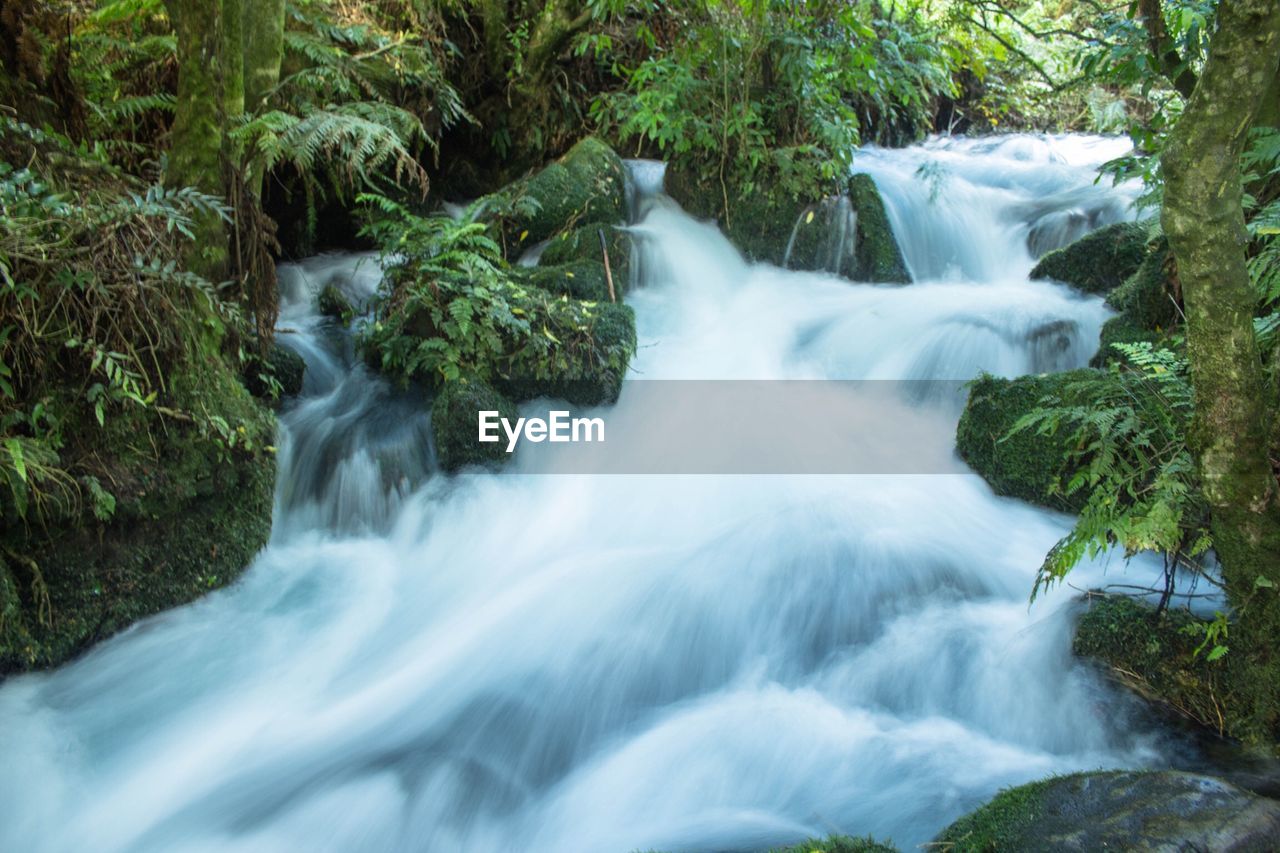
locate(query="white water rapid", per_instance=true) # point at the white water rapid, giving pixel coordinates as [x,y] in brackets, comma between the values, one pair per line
[506,662]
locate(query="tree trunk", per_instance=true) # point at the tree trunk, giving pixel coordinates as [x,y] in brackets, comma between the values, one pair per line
[263,55]
[1204,221]
[196,138]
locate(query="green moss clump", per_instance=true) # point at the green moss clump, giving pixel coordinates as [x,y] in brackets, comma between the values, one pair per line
[583,244]
[1150,298]
[333,303]
[1027,465]
[1001,824]
[585,186]
[1121,330]
[590,377]
[762,218]
[455,422]
[1155,656]
[1100,261]
[879,259]
[282,366]
[576,279]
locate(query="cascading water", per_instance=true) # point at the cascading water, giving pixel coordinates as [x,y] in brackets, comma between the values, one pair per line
[610,663]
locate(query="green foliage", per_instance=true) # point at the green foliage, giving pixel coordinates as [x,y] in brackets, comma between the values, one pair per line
[1125,433]
[758,86]
[839,844]
[451,310]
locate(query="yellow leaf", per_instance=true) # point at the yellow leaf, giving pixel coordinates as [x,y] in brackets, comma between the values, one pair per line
[808,218]
[523,234]
[568,275]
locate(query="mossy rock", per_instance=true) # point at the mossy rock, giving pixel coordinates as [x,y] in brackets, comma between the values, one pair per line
[765,219]
[455,425]
[1151,297]
[1100,261]
[586,186]
[1119,810]
[839,844]
[282,365]
[1154,654]
[334,303]
[581,279]
[1027,465]
[155,554]
[583,244]
[1121,330]
[586,380]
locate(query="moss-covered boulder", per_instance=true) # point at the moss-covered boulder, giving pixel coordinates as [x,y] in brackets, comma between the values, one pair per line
[1119,810]
[1121,330]
[590,375]
[1100,261]
[1154,654]
[1152,296]
[583,279]
[281,372]
[586,186]
[849,235]
[334,303]
[583,244]
[173,513]
[455,417]
[839,844]
[1027,465]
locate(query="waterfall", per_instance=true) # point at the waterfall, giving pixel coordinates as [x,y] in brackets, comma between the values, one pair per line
[514,661]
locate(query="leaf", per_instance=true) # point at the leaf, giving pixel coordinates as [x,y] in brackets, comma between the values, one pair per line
[1217,652]
[14,447]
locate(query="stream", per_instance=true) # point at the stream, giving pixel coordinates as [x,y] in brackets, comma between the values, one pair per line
[519,661]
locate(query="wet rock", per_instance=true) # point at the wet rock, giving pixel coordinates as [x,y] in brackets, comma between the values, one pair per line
[282,366]
[583,244]
[333,303]
[455,420]
[1120,810]
[1152,296]
[1100,261]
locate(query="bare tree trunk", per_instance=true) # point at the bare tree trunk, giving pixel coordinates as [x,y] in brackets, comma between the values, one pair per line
[1203,218]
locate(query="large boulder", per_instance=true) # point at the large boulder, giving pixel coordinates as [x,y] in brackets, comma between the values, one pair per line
[1100,261]
[1151,296]
[1027,465]
[587,375]
[455,425]
[583,244]
[848,234]
[586,186]
[1120,810]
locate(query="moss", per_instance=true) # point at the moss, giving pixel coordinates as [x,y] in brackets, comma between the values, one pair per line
[1154,655]
[1121,330]
[1119,810]
[1027,465]
[282,365]
[583,244]
[762,218]
[576,279]
[1100,261]
[1150,298]
[879,259]
[1000,824]
[333,303]
[191,512]
[587,380]
[585,186]
[455,420]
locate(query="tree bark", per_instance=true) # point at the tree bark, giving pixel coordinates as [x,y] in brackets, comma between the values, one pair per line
[263,51]
[1163,50]
[1203,218]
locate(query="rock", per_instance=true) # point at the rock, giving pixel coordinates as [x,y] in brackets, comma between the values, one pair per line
[583,244]
[190,514]
[586,186]
[455,425]
[577,279]
[1120,330]
[333,303]
[1154,655]
[585,379]
[1120,810]
[1100,261]
[1027,465]
[282,365]
[840,844]
[767,219]
[1150,298]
